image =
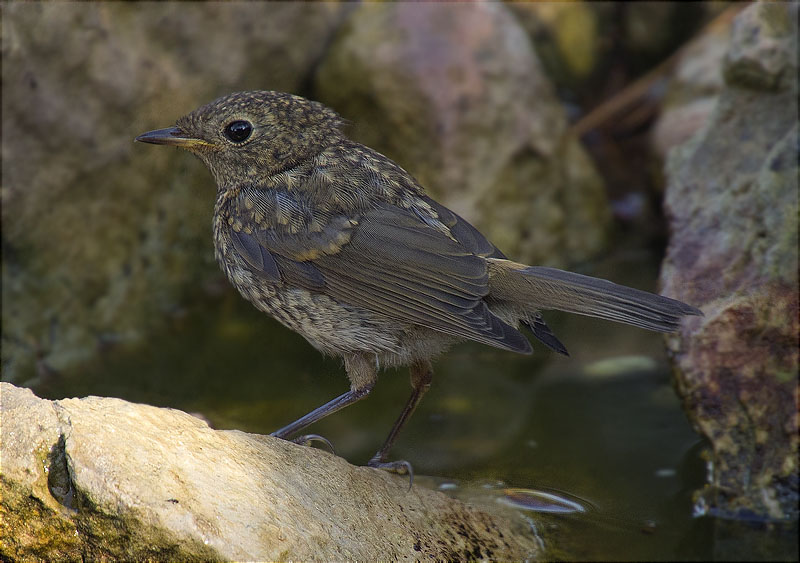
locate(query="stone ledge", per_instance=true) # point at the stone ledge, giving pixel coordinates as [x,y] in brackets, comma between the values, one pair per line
[102,478]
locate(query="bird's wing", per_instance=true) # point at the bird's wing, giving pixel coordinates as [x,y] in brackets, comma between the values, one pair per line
[468,236]
[389,260]
[472,239]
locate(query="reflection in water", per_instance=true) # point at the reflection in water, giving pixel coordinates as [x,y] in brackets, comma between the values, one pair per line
[541,501]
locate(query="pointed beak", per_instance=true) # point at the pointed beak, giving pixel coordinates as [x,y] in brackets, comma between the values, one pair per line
[171,136]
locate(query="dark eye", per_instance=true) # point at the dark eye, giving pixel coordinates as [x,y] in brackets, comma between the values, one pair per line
[238,131]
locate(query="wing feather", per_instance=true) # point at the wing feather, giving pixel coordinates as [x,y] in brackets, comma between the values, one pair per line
[390,261]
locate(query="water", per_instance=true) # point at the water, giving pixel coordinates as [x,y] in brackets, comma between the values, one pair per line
[593,448]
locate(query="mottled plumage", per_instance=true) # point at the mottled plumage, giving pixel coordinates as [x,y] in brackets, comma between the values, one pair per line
[342,245]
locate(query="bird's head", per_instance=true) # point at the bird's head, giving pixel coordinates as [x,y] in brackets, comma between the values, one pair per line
[249,135]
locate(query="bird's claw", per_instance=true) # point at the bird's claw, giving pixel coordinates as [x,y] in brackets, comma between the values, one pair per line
[400,467]
[308,439]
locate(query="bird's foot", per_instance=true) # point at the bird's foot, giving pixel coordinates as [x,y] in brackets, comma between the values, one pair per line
[400,467]
[308,439]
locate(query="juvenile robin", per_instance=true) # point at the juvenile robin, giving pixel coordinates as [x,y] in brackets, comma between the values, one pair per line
[343,246]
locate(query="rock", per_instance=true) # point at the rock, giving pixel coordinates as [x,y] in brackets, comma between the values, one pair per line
[104,479]
[733,209]
[455,94]
[103,239]
[760,56]
[693,88]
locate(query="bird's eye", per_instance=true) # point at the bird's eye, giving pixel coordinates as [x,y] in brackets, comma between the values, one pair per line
[238,131]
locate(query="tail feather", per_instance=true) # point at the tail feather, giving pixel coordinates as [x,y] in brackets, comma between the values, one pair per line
[540,288]
[543,333]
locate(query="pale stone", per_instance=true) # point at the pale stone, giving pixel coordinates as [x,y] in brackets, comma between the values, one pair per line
[102,478]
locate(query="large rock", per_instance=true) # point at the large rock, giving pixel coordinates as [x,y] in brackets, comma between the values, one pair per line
[103,239]
[694,85]
[97,478]
[732,201]
[455,94]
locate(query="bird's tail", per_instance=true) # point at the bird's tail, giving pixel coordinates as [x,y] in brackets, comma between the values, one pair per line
[538,288]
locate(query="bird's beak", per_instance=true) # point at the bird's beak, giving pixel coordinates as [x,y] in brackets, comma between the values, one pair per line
[171,136]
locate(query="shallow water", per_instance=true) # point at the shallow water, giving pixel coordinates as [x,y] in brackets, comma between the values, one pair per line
[601,430]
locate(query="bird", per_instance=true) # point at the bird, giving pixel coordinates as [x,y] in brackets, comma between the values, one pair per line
[343,246]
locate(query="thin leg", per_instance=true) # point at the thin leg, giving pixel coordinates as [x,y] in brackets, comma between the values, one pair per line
[319,413]
[421,376]
[362,373]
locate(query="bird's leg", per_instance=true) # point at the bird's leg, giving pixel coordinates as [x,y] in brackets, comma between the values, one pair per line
[319,413]
[362,373]
[421,376]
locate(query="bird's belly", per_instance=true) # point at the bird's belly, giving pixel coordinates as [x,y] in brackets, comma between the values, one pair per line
[330,326]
